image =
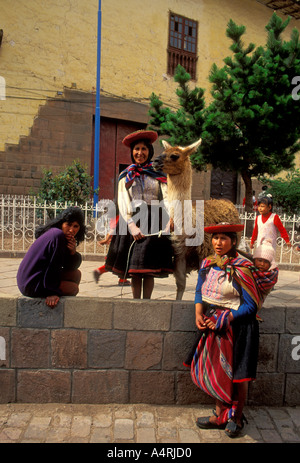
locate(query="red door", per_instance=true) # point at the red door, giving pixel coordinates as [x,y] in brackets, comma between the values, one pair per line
[114,156]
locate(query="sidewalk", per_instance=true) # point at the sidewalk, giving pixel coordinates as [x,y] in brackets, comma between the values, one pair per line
[287,288]
[138,423]
[153,424]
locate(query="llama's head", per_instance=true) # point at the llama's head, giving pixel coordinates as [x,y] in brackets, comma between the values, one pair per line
[174,159]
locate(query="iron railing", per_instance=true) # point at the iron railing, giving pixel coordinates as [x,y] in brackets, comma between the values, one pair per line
[20,216]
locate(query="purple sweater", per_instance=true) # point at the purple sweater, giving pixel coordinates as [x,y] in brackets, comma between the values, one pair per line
[39,274]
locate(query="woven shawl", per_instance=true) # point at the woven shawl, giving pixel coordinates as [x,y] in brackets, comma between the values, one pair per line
[135,170]
[257,284]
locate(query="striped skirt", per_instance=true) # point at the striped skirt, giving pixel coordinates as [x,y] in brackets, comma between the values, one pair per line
[212,364]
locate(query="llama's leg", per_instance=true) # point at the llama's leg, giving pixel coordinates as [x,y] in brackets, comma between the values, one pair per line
[180,277]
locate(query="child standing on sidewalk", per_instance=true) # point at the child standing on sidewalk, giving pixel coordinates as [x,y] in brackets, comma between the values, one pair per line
[267,224]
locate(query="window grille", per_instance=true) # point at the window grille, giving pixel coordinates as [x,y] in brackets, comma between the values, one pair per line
[182,46]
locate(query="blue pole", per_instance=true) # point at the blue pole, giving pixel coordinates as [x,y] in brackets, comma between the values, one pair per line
[97,112]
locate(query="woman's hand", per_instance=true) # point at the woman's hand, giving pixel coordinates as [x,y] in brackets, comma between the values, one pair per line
[200,322]
[71,243]
[210,324]
[135,231]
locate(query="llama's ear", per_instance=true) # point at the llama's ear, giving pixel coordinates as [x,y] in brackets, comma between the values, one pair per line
[166,144]
[192,148]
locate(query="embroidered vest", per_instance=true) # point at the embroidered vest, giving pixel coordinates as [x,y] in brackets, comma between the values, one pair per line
[217,290]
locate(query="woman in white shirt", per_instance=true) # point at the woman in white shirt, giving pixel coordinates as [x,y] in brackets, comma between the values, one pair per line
[138,249]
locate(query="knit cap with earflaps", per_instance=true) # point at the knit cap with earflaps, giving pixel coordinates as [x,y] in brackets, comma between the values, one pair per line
[265,251]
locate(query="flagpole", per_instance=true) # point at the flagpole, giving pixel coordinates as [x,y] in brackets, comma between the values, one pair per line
[97,112]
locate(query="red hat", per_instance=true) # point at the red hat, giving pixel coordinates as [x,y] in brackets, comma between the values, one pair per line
[224,227]
[140,135]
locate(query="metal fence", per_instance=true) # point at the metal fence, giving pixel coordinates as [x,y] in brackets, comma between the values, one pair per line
[284,253]
[21,215]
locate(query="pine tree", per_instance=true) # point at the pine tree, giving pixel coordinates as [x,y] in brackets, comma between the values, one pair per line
[183,126]
[252,125]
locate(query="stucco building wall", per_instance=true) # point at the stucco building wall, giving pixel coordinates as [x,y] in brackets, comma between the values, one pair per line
[51,46]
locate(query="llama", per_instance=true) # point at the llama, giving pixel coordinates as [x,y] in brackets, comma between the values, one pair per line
[175,162]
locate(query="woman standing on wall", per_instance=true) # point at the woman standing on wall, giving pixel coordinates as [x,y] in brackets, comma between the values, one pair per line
[138,249]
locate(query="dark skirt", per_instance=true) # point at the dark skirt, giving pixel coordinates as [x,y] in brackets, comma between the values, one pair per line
[245,348]
[152,256]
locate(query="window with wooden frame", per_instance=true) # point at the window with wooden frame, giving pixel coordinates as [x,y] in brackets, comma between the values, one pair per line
[182,46]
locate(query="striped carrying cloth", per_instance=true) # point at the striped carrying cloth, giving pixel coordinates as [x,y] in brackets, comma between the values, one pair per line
[134,170]
[211,367]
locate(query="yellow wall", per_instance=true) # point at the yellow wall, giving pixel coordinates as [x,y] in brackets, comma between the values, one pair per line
[48,45]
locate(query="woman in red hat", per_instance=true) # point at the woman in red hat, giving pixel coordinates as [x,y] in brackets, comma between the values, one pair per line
[138,249]
[226,303]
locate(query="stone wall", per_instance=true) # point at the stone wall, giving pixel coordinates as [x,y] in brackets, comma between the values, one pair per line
[61,133]
[90,350]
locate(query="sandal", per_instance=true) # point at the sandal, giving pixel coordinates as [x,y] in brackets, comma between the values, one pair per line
[233,429]
[203,422]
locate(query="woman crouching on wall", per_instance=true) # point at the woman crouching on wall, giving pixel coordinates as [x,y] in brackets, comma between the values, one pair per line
[50,268]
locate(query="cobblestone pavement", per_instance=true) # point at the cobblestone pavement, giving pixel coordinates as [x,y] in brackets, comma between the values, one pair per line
[152,424]
[138,423]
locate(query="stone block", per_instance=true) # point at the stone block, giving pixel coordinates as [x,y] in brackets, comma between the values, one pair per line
[106,349]
[30,348]
[188,393]
[100,387]
[69,348]
[7,386]
[268,352]
[177,346]
[152,387]
[148,315]
[4,347]
[123,429]
[288,358]
[292,390]
[57,112]
[8,311]
[34,313]
[146,435]
[183,316]
[292,318]
[43,386]
[143,350]
[268,389]
[273,317]
[86,312]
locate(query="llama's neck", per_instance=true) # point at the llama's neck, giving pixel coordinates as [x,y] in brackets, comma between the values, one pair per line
[179,190]
[180,186]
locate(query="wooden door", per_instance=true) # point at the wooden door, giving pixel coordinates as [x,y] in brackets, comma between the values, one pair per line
[114,156]
[223,185]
